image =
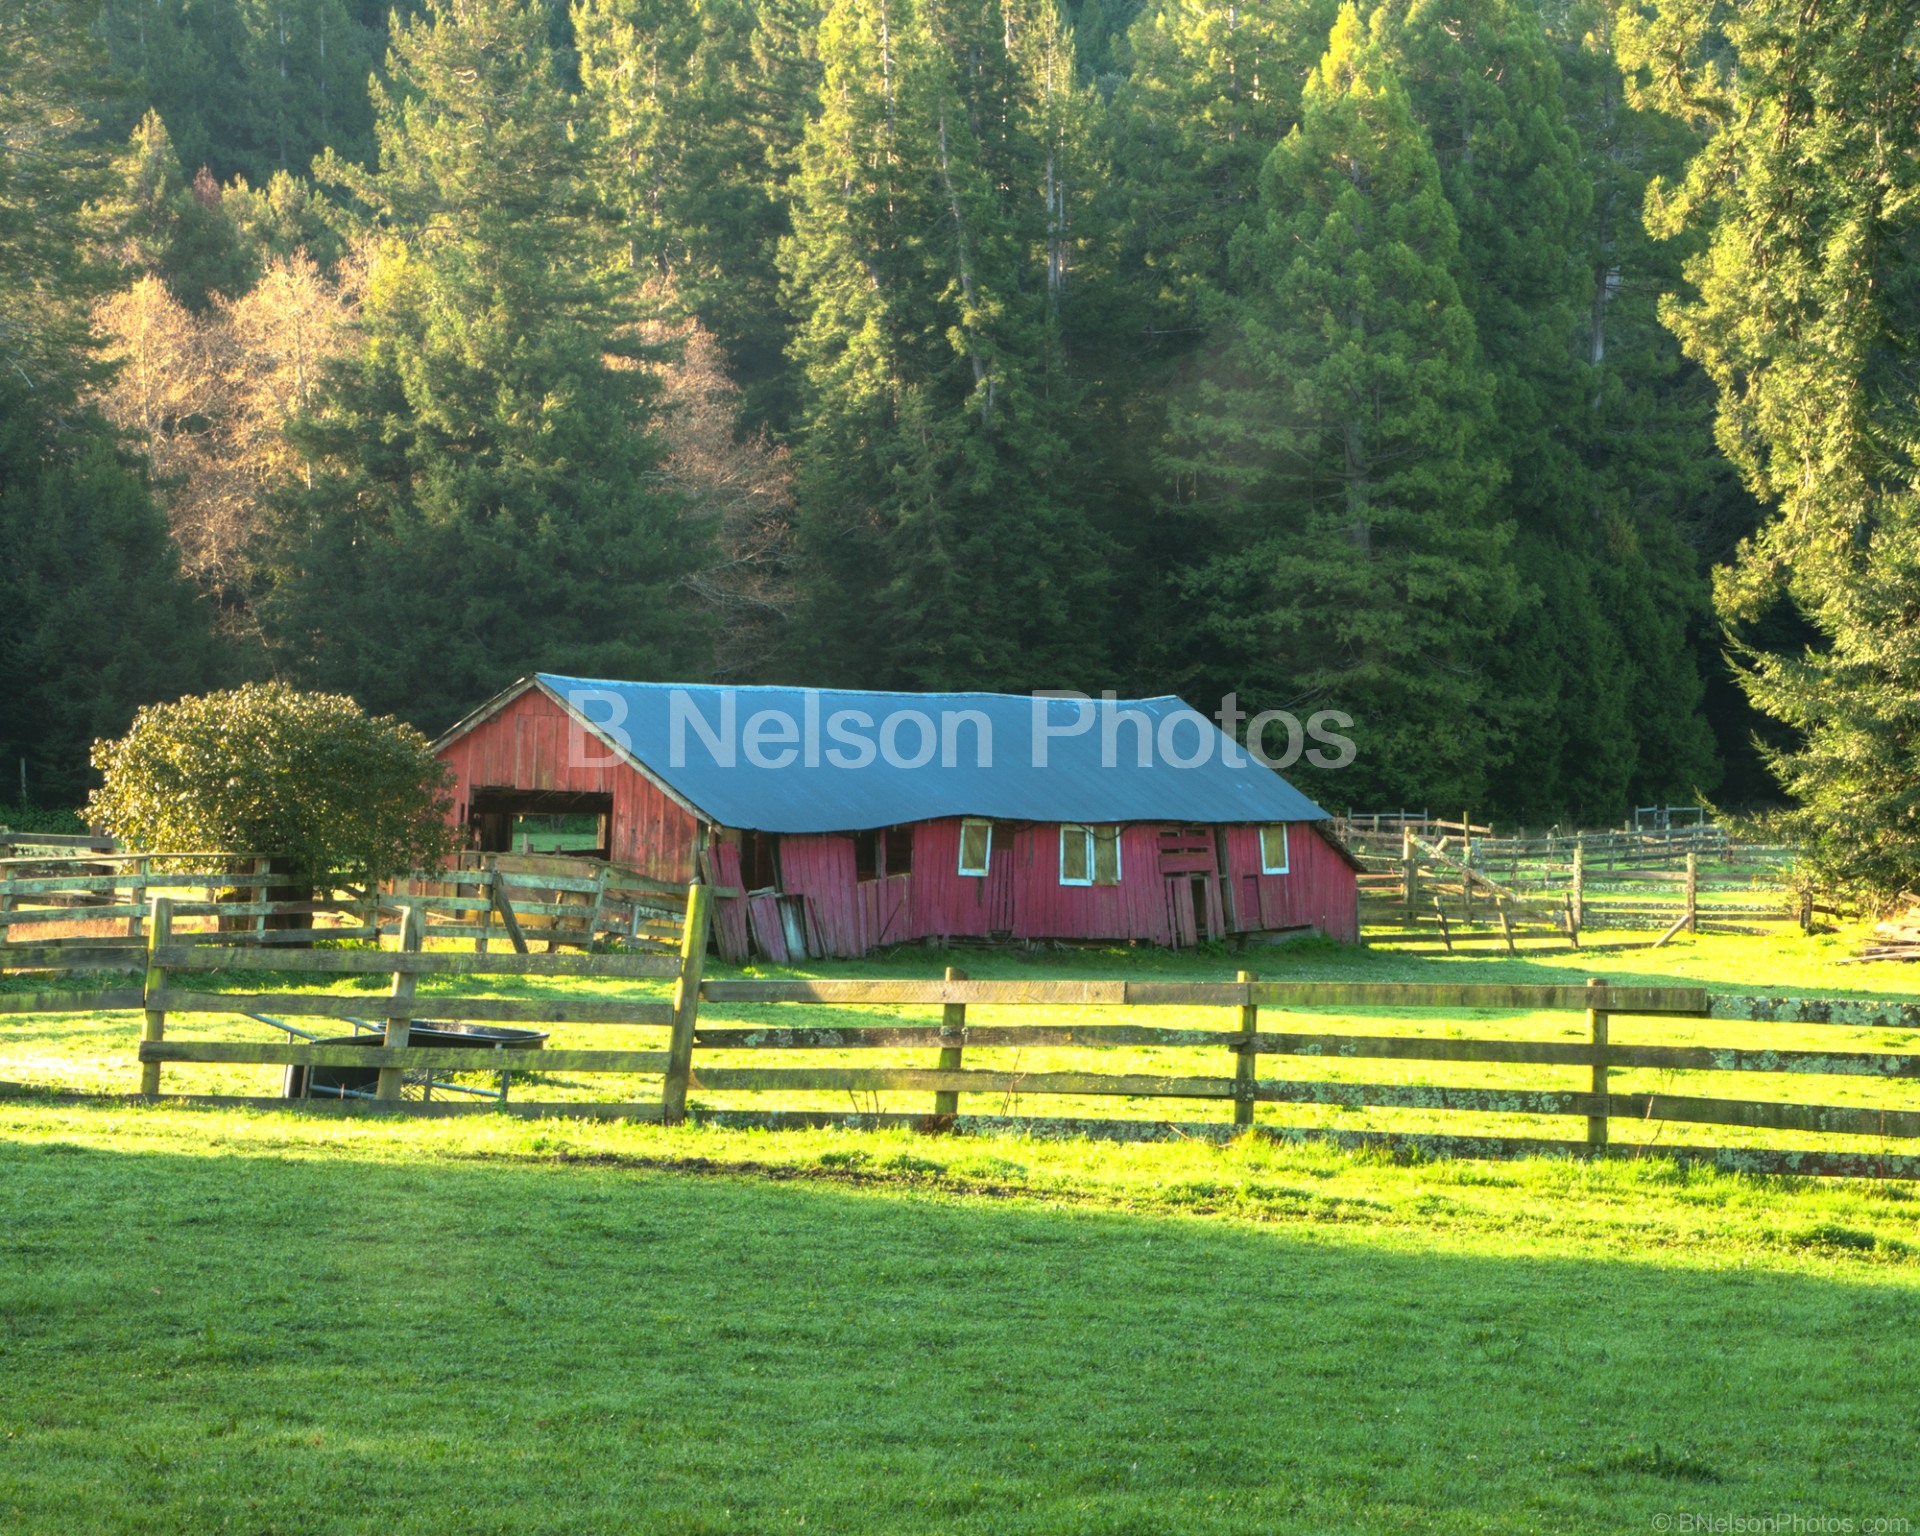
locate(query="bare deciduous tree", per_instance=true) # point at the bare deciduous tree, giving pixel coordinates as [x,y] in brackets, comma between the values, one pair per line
[741,485]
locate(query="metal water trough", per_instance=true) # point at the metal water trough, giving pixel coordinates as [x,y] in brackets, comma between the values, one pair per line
[360,1082]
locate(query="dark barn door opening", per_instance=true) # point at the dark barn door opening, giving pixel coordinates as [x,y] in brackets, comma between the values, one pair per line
[493,811]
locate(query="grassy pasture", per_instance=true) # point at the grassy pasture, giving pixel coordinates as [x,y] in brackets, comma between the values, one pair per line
[283,1322]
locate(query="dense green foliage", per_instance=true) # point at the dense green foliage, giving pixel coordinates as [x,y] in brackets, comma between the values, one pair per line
[309,776]
[94,616]
[1803,308]
[1346,429]
[490,508]
[1187,345]
[35,818]
[250,87]
[944,513]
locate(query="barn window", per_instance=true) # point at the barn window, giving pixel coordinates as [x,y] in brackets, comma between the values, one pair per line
[976,845]
[900,850]
[1089,855]
[1273,848]
[866,855]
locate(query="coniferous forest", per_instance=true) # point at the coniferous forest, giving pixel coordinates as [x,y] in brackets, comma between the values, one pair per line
[1532,380]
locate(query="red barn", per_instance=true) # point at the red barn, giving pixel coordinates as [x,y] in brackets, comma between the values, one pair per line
[850,820]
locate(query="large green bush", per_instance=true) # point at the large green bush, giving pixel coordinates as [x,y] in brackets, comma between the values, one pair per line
[309,778]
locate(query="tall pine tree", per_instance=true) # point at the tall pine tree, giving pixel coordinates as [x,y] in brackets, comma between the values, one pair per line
[1345,443]
[490,505]
[1804,311]
[944,535]
[1598,673]
[699,111]
[95,619]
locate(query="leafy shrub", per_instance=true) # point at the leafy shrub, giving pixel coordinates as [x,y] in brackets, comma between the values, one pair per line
[34,818]
[310,778]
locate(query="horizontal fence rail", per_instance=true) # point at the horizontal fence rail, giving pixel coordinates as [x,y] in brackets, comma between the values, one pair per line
[511,901]
[1423,885]
[1253,1058]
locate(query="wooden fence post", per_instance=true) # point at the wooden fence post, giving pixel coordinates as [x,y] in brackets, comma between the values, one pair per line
[398,1029]
[953,1020]
[1597,1039]
[137,896]
[1246,1069]
[686,1003]
[261,866]
[1409,870]
[1579,883]
[485,891]
[1693,891]
[159,934]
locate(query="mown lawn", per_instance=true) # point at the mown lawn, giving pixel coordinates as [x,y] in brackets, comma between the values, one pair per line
[287,1322]
[219,1321]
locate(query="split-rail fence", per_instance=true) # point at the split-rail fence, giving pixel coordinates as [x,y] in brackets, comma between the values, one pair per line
[187,978]
[1452,883]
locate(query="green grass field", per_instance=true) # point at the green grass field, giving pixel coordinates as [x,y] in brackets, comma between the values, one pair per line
[283,1322]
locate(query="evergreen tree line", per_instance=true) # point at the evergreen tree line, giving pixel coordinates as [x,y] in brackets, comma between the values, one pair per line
[1284,349]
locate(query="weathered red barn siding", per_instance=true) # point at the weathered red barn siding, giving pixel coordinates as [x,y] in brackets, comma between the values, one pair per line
[1021,895]
[1319,886]
[1136,908]
[821,869]
[730,916]
[948,904]
[528,745]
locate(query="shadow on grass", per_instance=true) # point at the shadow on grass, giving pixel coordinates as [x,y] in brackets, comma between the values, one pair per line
[1612,957]
[331,1344]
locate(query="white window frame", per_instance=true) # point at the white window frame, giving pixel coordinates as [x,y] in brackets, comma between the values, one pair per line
[1286,849]
[985,864]
[1093,863]
[1087,834]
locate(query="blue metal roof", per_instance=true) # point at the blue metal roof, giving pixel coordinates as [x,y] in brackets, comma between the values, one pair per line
[834,760]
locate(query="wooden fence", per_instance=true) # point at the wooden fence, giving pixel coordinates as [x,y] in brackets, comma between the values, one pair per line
[44,898]
[168,961]
[54,906]
[1465,889]
[689,1057]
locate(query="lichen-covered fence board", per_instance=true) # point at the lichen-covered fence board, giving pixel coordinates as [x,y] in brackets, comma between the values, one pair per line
[479,1010]
[965,1080]
[201,957]
[1217,994]
[423,1058]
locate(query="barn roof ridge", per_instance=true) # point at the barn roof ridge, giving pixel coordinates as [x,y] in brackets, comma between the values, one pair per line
[869,693]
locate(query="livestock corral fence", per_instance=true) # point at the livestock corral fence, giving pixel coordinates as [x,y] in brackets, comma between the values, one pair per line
[1426,881]
[59,899]
[710,1039]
